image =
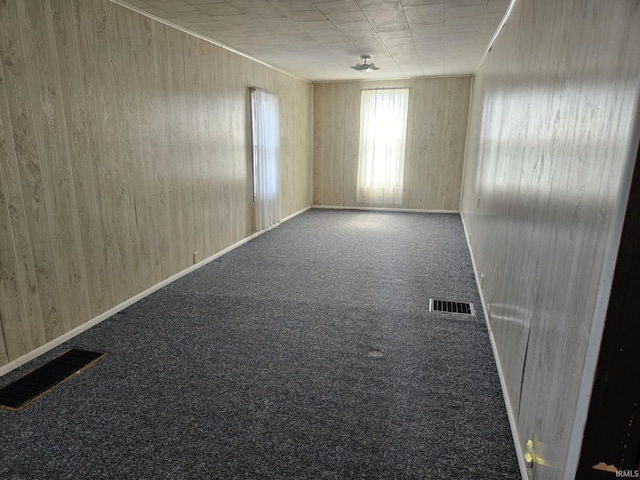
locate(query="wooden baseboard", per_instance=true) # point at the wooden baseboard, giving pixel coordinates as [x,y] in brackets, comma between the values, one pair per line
[383,209]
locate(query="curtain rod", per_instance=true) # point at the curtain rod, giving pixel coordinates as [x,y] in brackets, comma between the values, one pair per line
[388,88]
[263,90]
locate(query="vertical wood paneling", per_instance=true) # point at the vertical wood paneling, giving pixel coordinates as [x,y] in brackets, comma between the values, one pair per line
[435,144]
[71,92]
[160,161]
[57,178]
[123,150]
[20,320]
[109,170]
[215,190]
[127,117]
[13,316]
[92,158]
[295,174]
[202,196]
[553,106]
[147,213]
[436,133]
[34,231]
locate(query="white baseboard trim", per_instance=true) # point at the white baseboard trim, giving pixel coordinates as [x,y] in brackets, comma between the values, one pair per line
[512,420]
[12,365]
[383,209]
[295,214]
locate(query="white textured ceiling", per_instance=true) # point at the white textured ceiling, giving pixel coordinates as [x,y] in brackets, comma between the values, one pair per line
[318,40]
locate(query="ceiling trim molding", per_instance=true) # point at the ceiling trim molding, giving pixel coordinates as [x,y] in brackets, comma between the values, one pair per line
[202,37]
[495,35]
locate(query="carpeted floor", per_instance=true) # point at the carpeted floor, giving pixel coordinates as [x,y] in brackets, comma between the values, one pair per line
[307,353]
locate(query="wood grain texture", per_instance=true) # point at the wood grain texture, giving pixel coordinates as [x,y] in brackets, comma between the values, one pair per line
[75,119]
[123,150]
[11,212]
[38,290]
[436,133]
[9,273]
[43,81]
[550,124]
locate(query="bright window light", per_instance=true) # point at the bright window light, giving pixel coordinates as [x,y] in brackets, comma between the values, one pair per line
[383,127]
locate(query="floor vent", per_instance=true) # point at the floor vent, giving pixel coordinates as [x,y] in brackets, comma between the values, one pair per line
[451,307]
[22,392]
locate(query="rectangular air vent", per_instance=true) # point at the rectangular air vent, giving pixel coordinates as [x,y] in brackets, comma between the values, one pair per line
[34,385]
[451,307]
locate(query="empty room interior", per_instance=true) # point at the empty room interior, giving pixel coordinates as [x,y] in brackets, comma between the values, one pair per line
[348,239]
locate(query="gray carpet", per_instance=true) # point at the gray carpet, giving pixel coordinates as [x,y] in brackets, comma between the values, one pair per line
[307,353]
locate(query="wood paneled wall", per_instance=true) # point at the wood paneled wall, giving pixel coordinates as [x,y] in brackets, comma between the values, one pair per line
[545,185]
[124,148]
[436,133]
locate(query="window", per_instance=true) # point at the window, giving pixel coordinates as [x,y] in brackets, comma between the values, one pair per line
[265,130]
[383,127]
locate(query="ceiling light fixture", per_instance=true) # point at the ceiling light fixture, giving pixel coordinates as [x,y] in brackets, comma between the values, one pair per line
[365,67]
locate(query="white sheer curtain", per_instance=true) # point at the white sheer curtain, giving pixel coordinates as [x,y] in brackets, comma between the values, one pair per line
[383,127]
[265,128]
